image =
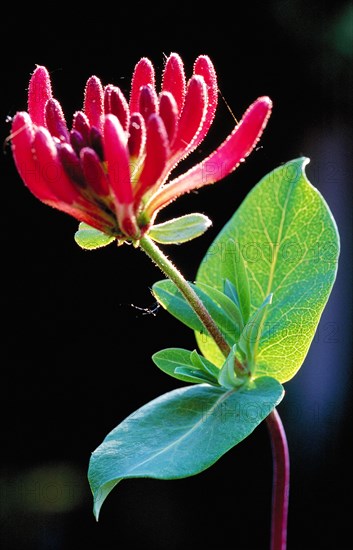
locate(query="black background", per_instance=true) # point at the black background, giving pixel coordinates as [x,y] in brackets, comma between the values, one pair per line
[75,349]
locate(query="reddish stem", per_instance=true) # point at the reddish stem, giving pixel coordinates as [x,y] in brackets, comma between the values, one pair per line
[280,491]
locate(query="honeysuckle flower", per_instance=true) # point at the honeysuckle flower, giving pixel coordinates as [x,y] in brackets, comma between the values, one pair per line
[112,169]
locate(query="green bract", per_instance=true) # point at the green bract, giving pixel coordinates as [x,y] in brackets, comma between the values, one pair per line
[180,230]
[89,238]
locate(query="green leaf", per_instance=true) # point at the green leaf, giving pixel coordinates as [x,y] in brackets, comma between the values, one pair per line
[241,283]
[231,292]
[285,236]
[251,335]
[180,230]
[227,377]
[89,238]
[195,375]
[173,301]
[203,364]
[227,304]
[180,434]
[180,364]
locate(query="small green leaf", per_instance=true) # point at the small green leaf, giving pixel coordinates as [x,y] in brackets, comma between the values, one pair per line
[195,375]
[227,377]
[168,360]
[180,434]
[231,292]
[180,363]
[203,364]
[286,239]
[241,280]
[173,301]
[89,238]
[251,335]
[226,303]
[180,230]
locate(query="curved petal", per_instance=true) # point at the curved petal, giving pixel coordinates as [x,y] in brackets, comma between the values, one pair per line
[94,102]
[148,102]
[39,91]
[157,151]
[22,141]
[91,216]
[174,79]
[168,111]
[51,169]
[71,164]
[143,75]
[119,107]
[192,116]
[137,135]
[204,67]
[22,136]
[221,162]
[117,158]
[93,171]
[81,124]
[55,120]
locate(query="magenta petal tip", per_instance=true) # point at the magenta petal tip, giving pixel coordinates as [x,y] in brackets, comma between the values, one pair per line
[39,91]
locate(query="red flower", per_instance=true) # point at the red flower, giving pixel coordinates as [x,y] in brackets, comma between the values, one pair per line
[111,170]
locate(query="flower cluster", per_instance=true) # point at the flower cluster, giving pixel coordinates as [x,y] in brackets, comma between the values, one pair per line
[112,169]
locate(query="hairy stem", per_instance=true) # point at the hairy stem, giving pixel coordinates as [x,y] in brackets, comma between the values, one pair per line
[280,492]
[170,271]
[276,431]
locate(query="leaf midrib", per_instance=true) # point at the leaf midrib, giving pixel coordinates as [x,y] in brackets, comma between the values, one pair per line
[186,434]
[279,241]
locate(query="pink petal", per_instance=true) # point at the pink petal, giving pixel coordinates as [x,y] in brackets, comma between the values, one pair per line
[174,79]
[203,66]
[127,221]
[88,213]
[77,141]
[117,158]
[22,136]
[157,153]
[71,164]
[68,195]
[93,172]
[33,175]
[119,107]
[107,93]
[55,120]
[81,124]
[148,102]
[137,135]
[192,116]
[168,111]
[51,169]
[94,102]
[96,142]
[143,75]
[39,91]
[223,161]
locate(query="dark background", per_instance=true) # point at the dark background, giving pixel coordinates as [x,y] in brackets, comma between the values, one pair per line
[72,338]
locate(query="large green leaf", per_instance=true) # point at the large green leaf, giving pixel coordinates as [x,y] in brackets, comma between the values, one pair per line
[286,236]
[180,434]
